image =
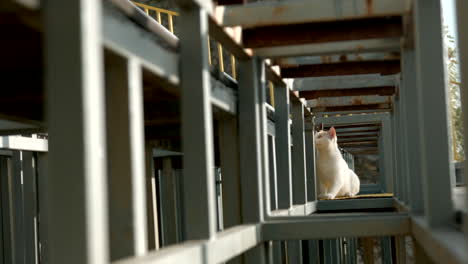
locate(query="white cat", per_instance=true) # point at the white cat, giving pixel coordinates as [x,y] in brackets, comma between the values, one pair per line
[334,176]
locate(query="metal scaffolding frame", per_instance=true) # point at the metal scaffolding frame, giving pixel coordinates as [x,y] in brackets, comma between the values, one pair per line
[90,192]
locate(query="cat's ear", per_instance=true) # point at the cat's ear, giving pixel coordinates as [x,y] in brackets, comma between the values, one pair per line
[332,132]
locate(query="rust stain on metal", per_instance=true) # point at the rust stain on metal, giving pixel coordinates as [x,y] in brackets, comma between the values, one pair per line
[279,10]
[343,58]
[326,59]
[357,101]
[369,6]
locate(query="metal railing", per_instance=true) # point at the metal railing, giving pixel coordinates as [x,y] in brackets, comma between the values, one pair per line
[159,13]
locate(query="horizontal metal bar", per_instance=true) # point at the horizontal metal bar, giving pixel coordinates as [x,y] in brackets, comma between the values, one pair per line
[335,58]
[296,210]
[344,82]
[124,37]
[342,68]
[349,100]
[356,139]
[443,245]
[354,112]
[352,46]
[322,32]
[354,119]
[349,204]
[224,246]
[188,252]
[23,143]
[10,125]
[302,11]
[382,90]
[223,97]
[234,47]
[360,133]
[136,14]
[336,225]
[340,130]
[232,242]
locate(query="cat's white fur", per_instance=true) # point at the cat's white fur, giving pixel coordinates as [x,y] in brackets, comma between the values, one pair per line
[334,175]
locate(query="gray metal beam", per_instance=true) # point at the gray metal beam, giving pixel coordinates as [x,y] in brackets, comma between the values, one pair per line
[310,162]
[335,58]
[388,150]
[413,127]
[252,148]
[299,177]
[436,165]
[124,37]
[343,82]
[292,12]
[23,143]
[354,119]
[442,245]
[7,210]
[338,225]
[230,171]
[354,46]
[198,163]
[283,149]
[151,200]
[127,190]
[170,231]
[30,207]
[75,111]
[336,205]
[349,100]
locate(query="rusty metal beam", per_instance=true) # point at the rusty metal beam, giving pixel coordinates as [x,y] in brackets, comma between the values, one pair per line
[386,90]
[352,107]
[349,100]
[344,68]
[321,32]
[337,47]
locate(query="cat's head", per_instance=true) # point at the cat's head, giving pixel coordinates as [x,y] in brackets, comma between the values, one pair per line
[325,139]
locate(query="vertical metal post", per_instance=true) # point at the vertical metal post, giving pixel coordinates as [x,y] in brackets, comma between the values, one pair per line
[386,250]
[313,252]
[403,142]
[413,129]
[229,159]
[17,219]
[7,210]
[168,203]
[298,154]
[272,172]
[30,208]
[401,249]
[283,147]
[127,191]
[310,160]
[250,147]
[437,165]
[197,126]
[75,114]
[388,154]
[151,200]
[463,55]
[396,165]
[42,183]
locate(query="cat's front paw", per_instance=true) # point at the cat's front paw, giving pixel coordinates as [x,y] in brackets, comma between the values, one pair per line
[326,196]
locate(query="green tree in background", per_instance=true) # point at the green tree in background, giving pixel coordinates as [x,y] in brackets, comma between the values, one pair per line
[453,77]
